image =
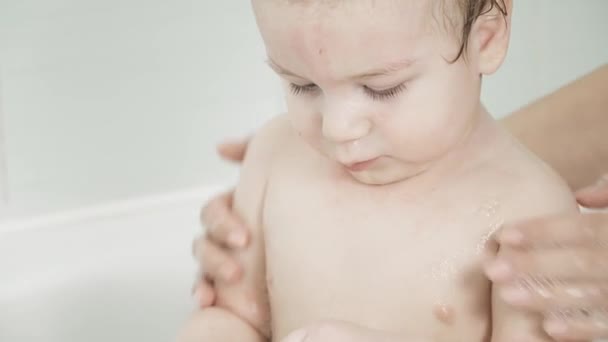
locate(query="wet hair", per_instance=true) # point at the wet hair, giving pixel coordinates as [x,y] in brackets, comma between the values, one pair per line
[470,11]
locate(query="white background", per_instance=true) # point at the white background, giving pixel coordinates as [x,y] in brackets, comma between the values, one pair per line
[114,99]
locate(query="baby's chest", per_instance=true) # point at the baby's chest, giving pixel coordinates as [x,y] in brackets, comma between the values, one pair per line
[347,254]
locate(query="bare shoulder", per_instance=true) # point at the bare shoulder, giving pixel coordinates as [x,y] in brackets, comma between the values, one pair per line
[259,158]
[267,140]
[534,189]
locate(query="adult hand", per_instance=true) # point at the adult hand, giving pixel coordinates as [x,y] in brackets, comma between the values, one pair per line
[595,196]
[558,266]
[225,231]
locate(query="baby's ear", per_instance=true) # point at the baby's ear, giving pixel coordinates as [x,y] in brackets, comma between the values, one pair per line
[490,35]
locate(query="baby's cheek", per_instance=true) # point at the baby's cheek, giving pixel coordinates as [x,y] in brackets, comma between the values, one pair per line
[419,139]
[307,125]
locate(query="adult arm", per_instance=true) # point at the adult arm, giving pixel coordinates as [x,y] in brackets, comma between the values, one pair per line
[568,128]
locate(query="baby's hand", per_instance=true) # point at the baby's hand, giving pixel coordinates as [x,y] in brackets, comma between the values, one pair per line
[336,331]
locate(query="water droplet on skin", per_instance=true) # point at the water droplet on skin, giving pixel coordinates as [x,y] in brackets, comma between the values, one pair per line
[491,210]
[445,269]
[444,313]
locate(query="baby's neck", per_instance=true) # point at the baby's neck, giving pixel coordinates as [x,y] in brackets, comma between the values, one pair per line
[485,140]
[481,143]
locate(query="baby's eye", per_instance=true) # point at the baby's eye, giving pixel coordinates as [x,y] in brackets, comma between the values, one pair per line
[302,89]
[384,94]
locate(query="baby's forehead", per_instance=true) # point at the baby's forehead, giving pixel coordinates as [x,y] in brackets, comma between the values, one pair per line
[441,11]
[449,5]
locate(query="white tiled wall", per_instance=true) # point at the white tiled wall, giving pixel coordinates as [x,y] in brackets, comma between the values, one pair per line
[119,98]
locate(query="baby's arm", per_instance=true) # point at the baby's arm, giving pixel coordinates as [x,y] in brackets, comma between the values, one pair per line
[230,320]
[544,196]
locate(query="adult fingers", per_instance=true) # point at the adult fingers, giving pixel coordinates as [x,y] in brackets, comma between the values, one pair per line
[557,231]
[222,224]
[577,325]
[578,264]
[234,150]
[215,262]
[595,196]
[203,292]
[543,295]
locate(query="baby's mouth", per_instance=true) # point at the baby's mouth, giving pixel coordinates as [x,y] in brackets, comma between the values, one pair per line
[361,166]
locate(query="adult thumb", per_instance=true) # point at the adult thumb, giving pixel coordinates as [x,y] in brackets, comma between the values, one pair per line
[594,196]
[234,150]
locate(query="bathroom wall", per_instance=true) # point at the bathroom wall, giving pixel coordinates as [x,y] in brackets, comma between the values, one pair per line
[3,169]
[115,99]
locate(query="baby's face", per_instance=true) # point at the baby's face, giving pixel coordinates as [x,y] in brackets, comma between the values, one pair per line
[370,84]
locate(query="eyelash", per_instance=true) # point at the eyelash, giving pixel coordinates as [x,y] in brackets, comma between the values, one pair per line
[376,95]
[380,95]
[298,89]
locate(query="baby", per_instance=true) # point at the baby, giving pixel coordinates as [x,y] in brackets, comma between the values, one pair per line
[387,149]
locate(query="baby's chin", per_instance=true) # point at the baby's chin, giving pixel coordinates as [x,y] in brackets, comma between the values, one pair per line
[387,172]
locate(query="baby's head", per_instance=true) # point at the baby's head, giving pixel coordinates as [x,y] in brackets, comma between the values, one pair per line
[393,81]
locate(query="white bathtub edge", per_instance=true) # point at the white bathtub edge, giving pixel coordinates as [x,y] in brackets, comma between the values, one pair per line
[109,209]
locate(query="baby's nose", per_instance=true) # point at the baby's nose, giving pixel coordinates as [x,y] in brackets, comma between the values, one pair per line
[345,127]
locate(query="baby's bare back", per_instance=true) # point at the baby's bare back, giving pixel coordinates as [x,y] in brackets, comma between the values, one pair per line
[388,257]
